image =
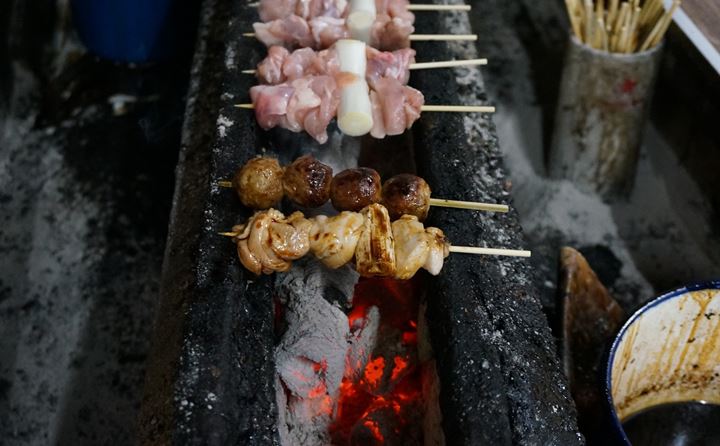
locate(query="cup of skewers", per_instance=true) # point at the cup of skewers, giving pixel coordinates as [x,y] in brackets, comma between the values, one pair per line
[607,83]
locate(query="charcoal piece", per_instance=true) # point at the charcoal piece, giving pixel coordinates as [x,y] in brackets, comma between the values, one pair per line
[432,416]
[379,428]
[591,318]
[210,377]
[312,351]
[335,286]
[604,263]
[501,380]
[311,356]
[361,344]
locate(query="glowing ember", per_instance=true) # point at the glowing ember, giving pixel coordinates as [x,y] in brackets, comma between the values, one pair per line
[375,429]
[374,372]
[400,365]
[384,405]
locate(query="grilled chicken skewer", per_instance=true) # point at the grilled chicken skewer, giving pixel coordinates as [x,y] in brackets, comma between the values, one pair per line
[268,242]
[262,182]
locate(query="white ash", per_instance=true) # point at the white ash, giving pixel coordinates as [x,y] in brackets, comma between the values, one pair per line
[223,123]
[310,358]
[313,277]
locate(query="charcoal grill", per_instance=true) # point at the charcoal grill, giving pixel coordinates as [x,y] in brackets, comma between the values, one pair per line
[211,374]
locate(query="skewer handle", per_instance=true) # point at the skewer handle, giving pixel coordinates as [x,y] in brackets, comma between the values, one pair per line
[225,183]
[447,64]
[489,251]
[469,205]
[431,7]
[425,37]
[458,108]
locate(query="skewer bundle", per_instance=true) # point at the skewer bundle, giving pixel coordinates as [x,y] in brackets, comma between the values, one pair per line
[620,26]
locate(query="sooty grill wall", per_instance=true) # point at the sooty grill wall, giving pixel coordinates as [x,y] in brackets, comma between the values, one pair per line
[211,375]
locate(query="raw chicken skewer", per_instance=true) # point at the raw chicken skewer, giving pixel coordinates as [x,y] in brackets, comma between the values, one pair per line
[379,105]
[314,35]
[269,242]
[281,65]
[386,23]
[262,182]
[401,113]
[274,9]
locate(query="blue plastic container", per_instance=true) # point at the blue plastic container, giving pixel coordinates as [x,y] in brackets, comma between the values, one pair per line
[131,30]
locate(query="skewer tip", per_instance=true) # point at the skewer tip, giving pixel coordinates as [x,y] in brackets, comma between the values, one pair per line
[228,234]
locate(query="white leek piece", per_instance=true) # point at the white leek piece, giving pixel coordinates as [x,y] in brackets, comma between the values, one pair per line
[352,56]
[355,111]
[354,116]
[360,19]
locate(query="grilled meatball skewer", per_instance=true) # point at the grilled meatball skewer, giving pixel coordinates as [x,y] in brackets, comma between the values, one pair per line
[309,183]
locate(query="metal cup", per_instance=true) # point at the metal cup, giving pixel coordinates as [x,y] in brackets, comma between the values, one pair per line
[667,352]
[604,99]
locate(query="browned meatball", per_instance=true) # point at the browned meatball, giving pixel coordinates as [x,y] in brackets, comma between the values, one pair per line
[307,182]
[259,183]
[406,194]
[353,189]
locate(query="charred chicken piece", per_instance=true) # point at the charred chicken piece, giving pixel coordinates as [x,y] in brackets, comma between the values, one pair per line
[412,246]
[333,239]
[375,252]
[259,183]
[439,250]
[307,182]
[406,194]
[355,189]
[268,241]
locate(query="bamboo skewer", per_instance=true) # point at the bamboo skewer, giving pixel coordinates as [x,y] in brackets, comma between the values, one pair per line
[428,65]
[424,37]
[447,64]
[476,206]
[440,202]
[448,37]
[476,250]
[490,251]
[432,7]
[427,108]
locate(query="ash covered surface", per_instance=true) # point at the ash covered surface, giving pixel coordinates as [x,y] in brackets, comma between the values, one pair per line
[663,234]
[84,200]
[501,382]
[211,380]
